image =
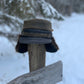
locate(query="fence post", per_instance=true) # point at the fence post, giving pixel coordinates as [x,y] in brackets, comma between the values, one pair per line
[37,55]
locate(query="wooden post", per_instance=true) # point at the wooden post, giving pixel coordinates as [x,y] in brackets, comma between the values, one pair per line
[37,55]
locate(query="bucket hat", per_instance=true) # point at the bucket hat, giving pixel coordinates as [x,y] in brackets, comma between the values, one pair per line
[36,31]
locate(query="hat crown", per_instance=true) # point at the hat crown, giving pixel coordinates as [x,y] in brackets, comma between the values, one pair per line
[38,24]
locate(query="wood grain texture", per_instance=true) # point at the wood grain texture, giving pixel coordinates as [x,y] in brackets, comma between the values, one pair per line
[51,74]
[36,56]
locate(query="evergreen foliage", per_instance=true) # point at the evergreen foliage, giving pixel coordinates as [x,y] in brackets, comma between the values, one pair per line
[66,7]
[25,10]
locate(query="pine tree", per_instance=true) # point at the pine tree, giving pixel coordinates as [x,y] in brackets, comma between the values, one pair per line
[25,10]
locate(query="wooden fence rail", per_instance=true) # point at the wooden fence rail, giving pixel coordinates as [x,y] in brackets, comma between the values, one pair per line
[47,75]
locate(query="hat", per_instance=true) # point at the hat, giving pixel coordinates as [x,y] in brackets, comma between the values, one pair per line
[36,31]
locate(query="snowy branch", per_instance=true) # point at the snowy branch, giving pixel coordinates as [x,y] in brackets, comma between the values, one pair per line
[10,36]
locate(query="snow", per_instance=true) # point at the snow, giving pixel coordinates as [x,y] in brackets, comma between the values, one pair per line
[48,10]
[10,1]
[5,28]
[12,64]
[11,17]
[68,35]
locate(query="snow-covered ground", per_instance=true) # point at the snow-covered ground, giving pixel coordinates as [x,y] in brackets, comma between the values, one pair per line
[69,36]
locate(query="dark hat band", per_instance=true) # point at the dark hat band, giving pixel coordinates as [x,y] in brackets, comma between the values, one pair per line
[36,33]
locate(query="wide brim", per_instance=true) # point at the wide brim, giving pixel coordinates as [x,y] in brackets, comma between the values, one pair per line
[34,40]
[22,45]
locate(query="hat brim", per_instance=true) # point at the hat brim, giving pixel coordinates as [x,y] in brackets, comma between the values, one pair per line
[21,48]
[52,47]
[22,45]
[34,40]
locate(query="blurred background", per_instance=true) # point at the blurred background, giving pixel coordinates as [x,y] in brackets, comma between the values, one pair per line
[67,18]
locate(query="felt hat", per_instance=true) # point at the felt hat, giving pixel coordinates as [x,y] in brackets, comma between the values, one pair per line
[36,31]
